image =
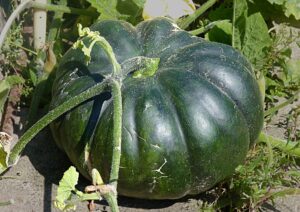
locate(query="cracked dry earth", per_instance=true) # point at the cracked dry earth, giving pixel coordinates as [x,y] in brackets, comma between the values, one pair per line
[32,183]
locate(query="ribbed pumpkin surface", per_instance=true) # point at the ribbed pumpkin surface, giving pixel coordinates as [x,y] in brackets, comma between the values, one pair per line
[184,129]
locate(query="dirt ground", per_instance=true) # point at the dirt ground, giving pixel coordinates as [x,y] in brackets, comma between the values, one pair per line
[31,184]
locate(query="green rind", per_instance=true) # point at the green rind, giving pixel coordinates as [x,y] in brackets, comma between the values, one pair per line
[184,129]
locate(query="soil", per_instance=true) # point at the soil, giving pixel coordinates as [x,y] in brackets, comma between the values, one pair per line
[31,184]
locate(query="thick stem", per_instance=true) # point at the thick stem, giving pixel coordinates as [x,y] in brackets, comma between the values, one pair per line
[291,148]
[112,201]
[204,29]
[117,132]
[184,23]
[52,115]
[110,53]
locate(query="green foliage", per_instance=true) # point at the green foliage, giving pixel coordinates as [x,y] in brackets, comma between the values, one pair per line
[65,188]
[129,10]
[292,70]
[67,195]
[239,18]
[246,31]
[222,12]
[4,91]
[270,53]
[5,86]
[266,175]
[139,3]
[3,157]
[221,32]
[290,7]
[250,33]
[281,72]
[256,39]
[106,8]
[11,55]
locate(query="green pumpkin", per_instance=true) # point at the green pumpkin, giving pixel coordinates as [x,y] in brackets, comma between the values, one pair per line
[185,128]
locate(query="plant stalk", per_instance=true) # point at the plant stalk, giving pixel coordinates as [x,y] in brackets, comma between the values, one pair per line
[204,29]
[184,23]
[51,116]
[289,147]
[111,197]
[112,201]
[117,132]
[282,105]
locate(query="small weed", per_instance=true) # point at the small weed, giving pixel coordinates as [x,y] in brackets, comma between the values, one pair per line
[266,174]
[278,81]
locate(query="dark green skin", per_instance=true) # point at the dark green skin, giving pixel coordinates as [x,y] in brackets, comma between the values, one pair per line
[184,129]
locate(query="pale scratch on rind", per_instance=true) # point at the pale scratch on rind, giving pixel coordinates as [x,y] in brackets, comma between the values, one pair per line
[155,146]
[154,182]
[159,169]
[135,133]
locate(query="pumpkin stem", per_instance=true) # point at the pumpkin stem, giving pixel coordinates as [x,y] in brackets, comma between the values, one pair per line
[117,132]
[140,66]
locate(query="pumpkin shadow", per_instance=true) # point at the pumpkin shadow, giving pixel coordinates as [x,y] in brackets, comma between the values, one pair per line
[51,163]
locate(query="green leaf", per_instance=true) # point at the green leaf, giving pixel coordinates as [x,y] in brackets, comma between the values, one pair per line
[240,10]
[14,80]
[224,11]
[256,39]
[132,9]
[292,7]
[221,32]
[4,91]
[106,8]
[3,159]
[5,142]
[139,3]
[250,33]
[289,7]
[66,186]
[293,70]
